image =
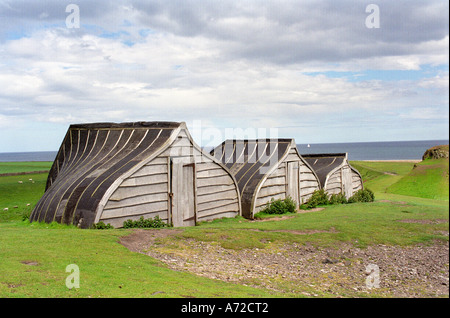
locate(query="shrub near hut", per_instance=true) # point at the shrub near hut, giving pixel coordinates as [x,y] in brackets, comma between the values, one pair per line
[321,197]
[280,206]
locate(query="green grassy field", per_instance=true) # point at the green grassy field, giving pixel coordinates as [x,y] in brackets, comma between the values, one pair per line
[428,179]
[18,167]
[34,256]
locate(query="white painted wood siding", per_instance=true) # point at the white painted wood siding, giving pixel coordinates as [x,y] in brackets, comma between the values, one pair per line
[146,192]
[275,186]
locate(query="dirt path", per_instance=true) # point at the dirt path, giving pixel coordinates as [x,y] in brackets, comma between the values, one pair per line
[343,271]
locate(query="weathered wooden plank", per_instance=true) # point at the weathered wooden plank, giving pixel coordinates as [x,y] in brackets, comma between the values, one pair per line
[333,190]
[177,152]
[132,191]
[223,180]
[150,169]
[182,142]
[160,160]
[157,178]
[213,173]
[292,157]
[307,177]
[135,209]
[269,191]
[230,194]
[304,184]
[137,200]
[279,172]
[214,189]
[281,180]
[262,202]
[305,169]
[220,214]
[336,174]
[232,207]
[117,222]
[309,184]
[206,166]
[215,204]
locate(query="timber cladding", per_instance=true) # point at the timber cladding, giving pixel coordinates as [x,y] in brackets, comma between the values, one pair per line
[114,172]
[267,169]
[335,173]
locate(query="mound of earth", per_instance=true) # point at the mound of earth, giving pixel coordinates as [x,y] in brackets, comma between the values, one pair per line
[437,152]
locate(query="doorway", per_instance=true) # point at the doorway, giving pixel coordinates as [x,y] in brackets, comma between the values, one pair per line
[183,192]
[293,181]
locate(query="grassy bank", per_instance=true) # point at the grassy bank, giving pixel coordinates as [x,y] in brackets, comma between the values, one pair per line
[428,179]
[26,166]
[34,256]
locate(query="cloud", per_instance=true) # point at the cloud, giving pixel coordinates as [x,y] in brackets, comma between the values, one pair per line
[229,64]
[290,32]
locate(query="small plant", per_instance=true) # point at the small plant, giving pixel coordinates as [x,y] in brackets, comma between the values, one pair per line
[101,226]
[290,204]
[280,206]
[338,198]
[26,215]
[144,223]
[319,197]
[361,195]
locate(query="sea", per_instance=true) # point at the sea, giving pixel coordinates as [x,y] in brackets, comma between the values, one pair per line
[382,150]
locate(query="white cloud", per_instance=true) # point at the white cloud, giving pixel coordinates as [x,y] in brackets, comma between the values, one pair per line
[227,64]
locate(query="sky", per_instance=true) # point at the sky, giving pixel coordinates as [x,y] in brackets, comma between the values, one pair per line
[319,71]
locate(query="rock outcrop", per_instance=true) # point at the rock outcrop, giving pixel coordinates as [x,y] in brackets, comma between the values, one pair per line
[436,152]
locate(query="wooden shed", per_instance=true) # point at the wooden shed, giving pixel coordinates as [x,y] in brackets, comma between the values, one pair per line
[114,172]
[335,173]
[267,169]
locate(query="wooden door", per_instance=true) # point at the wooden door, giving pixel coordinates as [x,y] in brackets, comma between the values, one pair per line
[293,181]
[347,186]
[183,192]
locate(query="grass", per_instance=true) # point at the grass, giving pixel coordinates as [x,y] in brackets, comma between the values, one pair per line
[16,196]
[361,224]
[34,259]
[428,179]
[26,166]
[34,256]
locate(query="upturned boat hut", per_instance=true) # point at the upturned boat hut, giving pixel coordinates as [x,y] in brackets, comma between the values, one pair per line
[335,173]
[267,169]
[113,172]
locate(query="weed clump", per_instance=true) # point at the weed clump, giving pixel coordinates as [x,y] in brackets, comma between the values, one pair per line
[361,195]
[144,223]
[321,197]
[338,198]
[101,226]
[280,206]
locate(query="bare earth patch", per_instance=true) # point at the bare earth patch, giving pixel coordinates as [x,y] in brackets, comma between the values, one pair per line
[342,271]
[435,221]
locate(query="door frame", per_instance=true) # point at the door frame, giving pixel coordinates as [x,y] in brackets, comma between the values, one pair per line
[176,176]
[297,200]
